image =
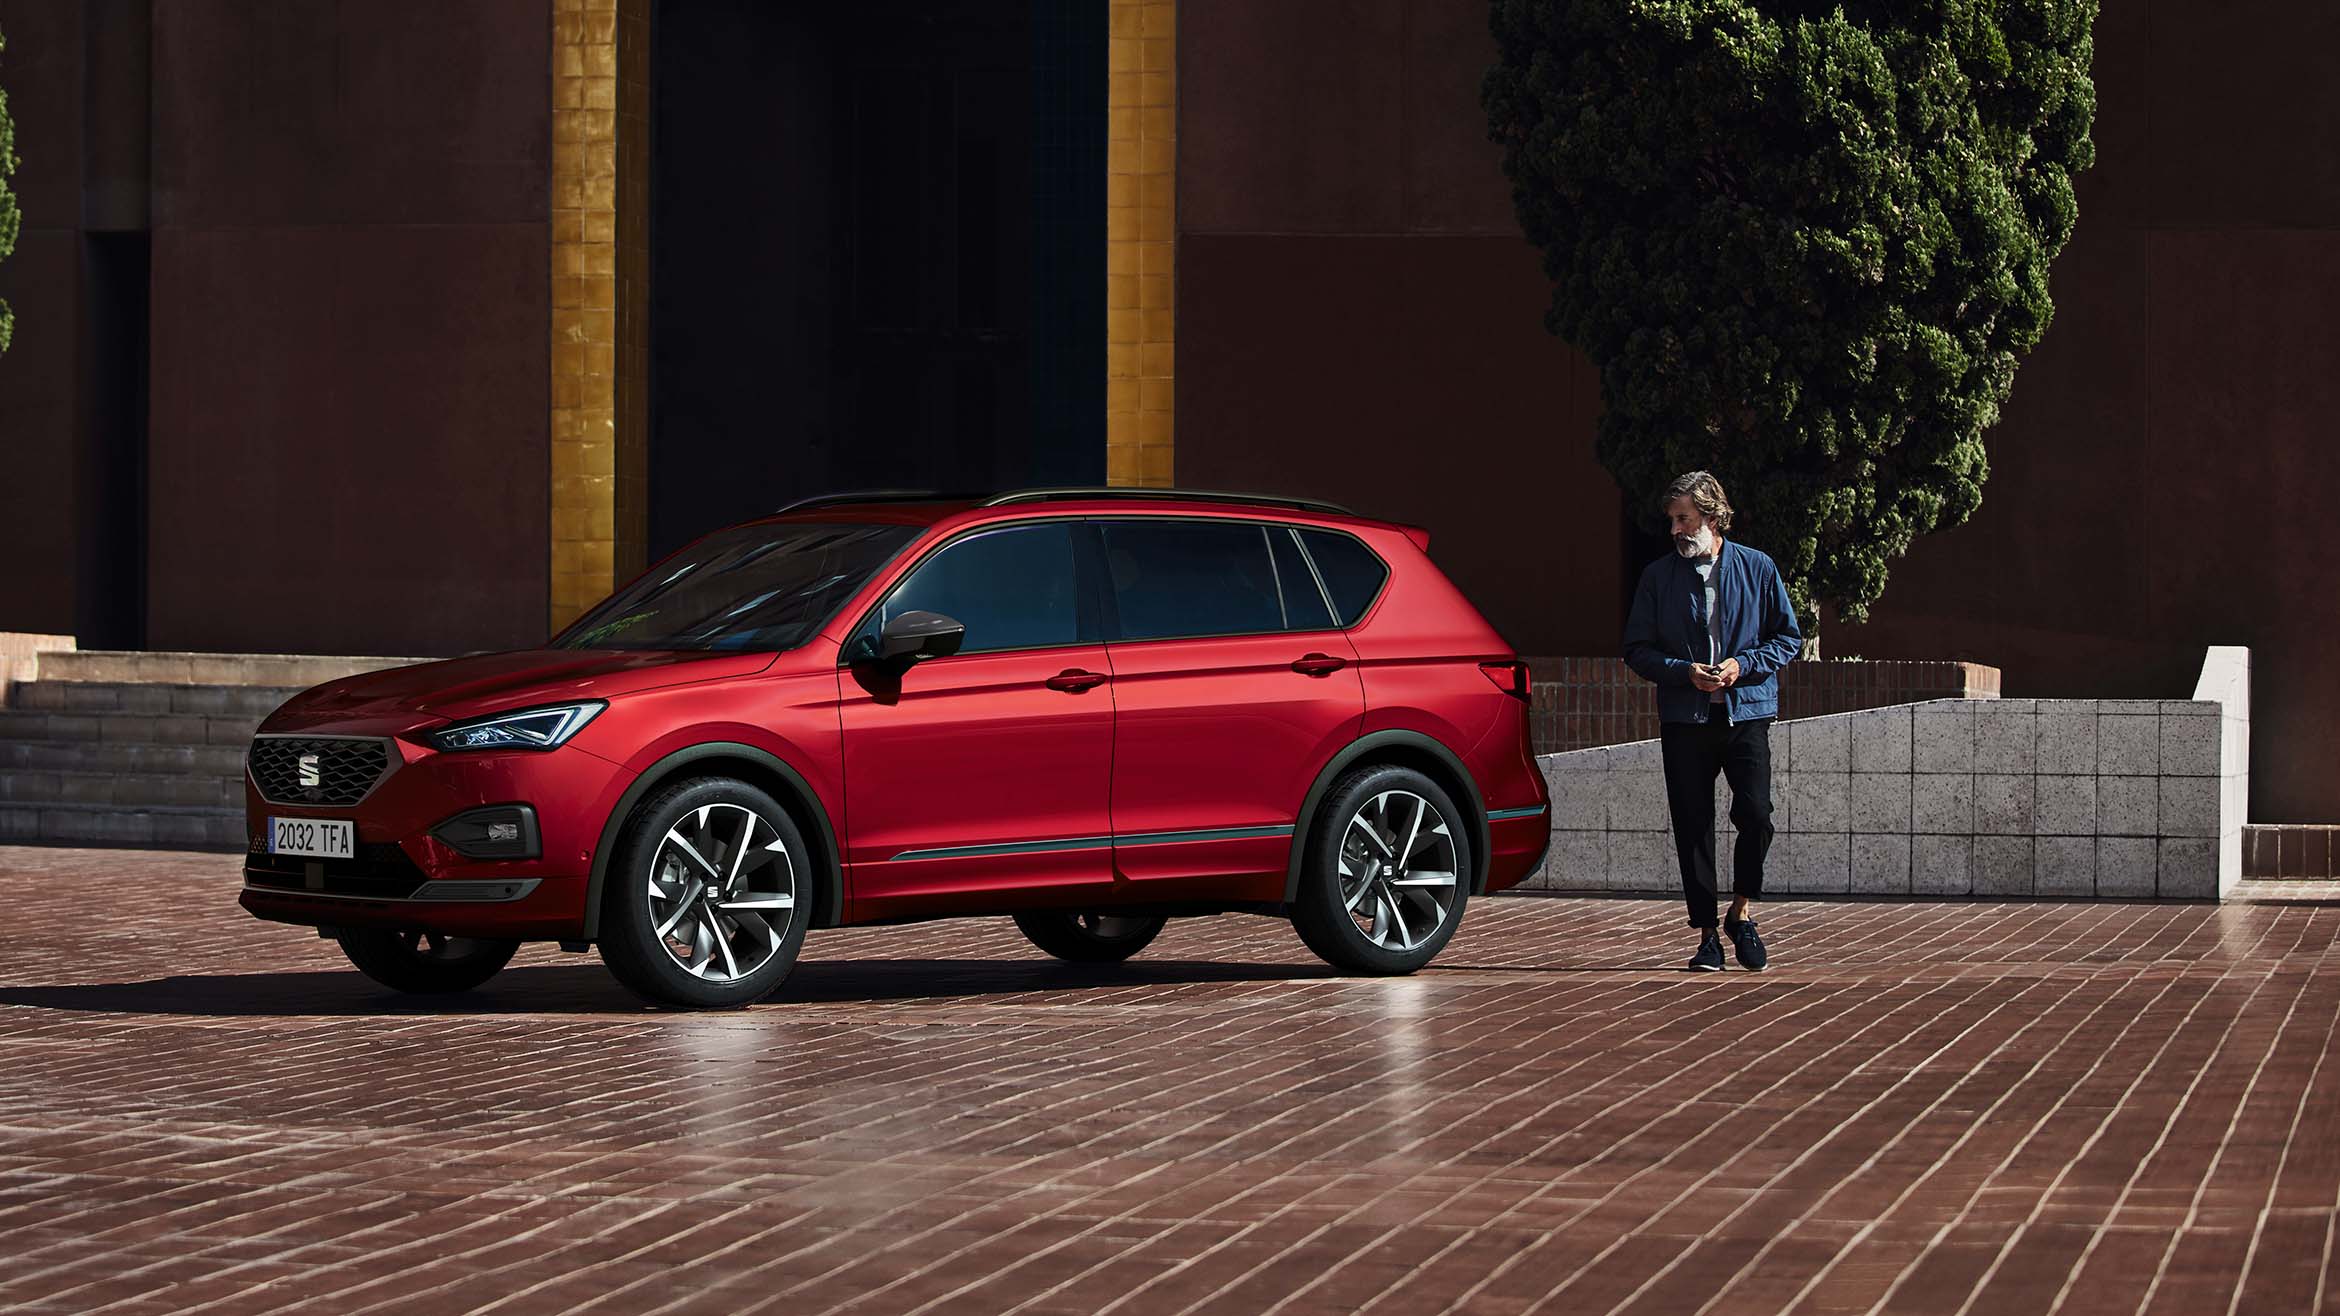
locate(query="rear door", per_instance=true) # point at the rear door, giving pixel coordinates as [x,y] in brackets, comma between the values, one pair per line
[981,780]
[1232,687]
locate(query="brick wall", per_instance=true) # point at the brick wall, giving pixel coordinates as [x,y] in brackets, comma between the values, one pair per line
[2291,850]
[1140,241]
[1584,702]
[584,326]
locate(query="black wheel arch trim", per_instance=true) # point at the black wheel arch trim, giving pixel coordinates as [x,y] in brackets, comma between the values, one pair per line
[832,903]
[1368,744]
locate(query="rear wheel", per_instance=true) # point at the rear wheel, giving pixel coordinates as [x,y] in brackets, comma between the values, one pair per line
[707,896]
[426,963]
[1386,874]
[1089,938]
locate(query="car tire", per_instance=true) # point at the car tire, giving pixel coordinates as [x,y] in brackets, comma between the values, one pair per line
[426,963]
[1359,907]
[666,933]
[1088,937]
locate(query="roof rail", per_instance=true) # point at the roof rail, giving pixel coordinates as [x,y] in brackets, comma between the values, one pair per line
[874,496]
[1189,495]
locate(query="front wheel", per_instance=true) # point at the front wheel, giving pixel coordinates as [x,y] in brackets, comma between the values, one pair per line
[1089,938]
[1386,872]
[426,963]
[707,896]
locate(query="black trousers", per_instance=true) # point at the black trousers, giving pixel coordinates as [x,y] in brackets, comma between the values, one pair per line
[1694,753]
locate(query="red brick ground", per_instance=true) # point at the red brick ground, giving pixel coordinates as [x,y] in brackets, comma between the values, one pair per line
[1922,1107]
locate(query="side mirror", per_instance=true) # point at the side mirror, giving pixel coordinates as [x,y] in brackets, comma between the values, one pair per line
[915,635]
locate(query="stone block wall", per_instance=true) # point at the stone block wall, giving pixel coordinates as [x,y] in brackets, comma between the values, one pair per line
[2063,798]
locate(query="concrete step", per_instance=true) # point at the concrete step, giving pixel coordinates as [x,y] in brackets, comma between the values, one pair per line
[175,827]
[17,724]
[134,790]
[292,671]
[50,696]
[85,756]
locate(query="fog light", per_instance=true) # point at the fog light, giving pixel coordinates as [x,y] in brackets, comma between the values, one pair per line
[500,831]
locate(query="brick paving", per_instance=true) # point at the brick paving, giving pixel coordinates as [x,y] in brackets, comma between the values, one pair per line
[1995,1108]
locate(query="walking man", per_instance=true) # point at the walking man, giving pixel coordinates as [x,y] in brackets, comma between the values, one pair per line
[1711,625]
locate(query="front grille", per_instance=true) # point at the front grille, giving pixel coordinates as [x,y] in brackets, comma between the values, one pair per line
[343,770]
[379,871]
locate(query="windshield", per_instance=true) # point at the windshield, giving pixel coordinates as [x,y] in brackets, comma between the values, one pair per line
[760,587]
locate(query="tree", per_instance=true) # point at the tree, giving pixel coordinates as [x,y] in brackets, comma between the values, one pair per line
[1805,243]
[9,218]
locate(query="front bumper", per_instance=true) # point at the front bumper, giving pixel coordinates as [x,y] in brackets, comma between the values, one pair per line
[404,877]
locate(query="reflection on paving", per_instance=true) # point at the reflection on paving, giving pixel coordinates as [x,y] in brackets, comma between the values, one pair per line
[2115,1107]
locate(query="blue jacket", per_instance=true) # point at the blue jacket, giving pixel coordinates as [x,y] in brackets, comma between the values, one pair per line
[1666,632]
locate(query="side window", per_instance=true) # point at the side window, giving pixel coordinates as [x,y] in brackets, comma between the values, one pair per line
[1182,578]
[1304,608]
[1011,589]
[1352,574]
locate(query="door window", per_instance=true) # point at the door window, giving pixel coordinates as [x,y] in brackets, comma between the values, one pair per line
[1012,589]
[1173,579]
[1304,606]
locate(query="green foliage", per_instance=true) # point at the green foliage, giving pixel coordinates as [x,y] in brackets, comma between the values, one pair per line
[9,218]
[1804,243]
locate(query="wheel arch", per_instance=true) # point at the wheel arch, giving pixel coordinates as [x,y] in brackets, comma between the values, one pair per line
[759,768]
[1408,749]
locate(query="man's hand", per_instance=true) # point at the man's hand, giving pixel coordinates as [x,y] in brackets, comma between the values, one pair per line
[1728,672]
[1705,677]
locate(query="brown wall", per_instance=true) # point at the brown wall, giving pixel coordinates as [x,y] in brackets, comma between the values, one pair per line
[1358,317]
[2159,481]
[40,401]
[351,298]
[345,210]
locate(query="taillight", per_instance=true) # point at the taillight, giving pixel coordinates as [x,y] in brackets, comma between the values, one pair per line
[1511,678]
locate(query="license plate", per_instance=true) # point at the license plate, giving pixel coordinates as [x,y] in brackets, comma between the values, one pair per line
[315,838]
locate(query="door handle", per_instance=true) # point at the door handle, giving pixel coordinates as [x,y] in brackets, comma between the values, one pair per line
[1073,680]
[1319,664]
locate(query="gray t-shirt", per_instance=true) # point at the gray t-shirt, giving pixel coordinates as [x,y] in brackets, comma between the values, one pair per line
[1704,566]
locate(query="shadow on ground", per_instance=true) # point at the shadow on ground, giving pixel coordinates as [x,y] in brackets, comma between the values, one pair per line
[588,988]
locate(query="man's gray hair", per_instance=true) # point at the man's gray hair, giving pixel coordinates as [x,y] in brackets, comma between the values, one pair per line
[1705,492]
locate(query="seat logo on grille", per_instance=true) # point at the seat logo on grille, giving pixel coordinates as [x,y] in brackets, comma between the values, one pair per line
[309,774]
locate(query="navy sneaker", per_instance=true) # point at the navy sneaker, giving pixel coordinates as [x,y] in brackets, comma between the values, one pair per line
[1709,957]
[1744,943]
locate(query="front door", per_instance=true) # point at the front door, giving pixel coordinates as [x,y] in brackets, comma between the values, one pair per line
[1232,688]
[981,780]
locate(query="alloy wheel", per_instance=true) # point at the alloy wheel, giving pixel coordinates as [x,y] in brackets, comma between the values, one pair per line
[722,892]
[1397,869]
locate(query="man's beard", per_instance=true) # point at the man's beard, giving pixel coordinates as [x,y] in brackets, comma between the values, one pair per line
[1698,545]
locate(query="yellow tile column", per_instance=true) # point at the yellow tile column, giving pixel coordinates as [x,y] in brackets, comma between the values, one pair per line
[1141,155]
[598,337]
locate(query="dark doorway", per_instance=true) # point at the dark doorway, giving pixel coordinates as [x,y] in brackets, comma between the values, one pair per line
[877,251]
[109,610]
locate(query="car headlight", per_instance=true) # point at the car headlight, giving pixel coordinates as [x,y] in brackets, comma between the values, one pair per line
[530,728]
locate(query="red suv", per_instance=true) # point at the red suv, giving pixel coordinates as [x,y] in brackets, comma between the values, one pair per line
[1091,709]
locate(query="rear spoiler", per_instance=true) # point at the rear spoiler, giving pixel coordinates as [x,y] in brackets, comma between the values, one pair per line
[1419,535]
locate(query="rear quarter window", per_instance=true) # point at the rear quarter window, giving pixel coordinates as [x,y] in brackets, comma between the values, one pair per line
[1353,575]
